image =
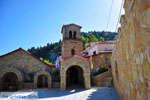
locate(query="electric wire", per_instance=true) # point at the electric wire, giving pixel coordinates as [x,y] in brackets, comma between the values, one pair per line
[119,15]
[109,14]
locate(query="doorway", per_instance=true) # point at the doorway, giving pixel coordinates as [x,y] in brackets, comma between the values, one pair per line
[74,77]
[9,82]
[42,81]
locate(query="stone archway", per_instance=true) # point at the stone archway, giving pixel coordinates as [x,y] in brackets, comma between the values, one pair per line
[75,61]
[42,74]
[11,72]
[74,77]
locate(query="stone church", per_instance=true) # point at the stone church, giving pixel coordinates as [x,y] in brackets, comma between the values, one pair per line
[20,69]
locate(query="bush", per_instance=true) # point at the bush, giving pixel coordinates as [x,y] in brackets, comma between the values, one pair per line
[102,68]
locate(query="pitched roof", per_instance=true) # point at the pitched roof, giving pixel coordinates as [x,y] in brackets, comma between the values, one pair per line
[77,56]
[102,44]
[69,25]
[51,65]
[102,52]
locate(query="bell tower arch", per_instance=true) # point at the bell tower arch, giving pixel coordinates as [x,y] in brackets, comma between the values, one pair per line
[71,43]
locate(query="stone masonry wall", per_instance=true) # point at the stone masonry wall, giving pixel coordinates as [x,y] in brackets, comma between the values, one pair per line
[101,59]
[131,54]
[24,62]
[68,45]
[103,79]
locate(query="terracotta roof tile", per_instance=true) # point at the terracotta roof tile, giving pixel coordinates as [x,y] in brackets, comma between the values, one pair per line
[77,56]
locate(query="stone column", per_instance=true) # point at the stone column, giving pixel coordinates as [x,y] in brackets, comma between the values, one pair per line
[49,83]
[63,82]
[87,81]
[35,84]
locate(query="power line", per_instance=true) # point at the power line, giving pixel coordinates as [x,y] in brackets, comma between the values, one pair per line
[119,15]
[109,14]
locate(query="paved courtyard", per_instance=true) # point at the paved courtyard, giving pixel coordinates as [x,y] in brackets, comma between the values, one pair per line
[79,94]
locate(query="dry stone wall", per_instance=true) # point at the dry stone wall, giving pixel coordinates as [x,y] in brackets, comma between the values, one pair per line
[131,54]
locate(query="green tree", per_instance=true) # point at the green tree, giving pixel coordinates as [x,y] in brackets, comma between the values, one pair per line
[82,38]
[93,39]
[101,39]
[84,42]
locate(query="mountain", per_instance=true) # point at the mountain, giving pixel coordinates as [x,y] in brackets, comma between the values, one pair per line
[97,34]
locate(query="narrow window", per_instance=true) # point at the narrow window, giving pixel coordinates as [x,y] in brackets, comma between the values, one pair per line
[74,36]
[116,70]
[70,34]
[73,52]
[94,53]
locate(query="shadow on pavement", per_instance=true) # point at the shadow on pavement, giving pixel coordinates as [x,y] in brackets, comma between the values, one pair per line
[103,94]
[57,93]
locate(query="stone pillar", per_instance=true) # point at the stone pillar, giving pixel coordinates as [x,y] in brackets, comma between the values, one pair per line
[63,82]
[49,84]
[87,81]
[35,84]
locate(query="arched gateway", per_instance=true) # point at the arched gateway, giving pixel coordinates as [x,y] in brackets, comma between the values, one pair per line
[75,71]
[10,79]
[74,77]
[42,79]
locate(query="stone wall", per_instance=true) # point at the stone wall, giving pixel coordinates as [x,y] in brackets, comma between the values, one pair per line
[103,79]
[131,54]
[101,58]
[24,65]
[68,45]
[56,85]
[28,85]
[23,61]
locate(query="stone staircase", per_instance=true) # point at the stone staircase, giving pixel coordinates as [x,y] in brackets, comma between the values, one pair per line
[103,80]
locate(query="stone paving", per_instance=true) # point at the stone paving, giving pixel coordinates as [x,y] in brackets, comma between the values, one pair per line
[78,94]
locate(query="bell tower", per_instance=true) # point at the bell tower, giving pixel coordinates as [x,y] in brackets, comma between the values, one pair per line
[71,43]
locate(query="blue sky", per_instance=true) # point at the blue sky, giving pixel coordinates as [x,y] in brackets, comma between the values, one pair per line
[28,23]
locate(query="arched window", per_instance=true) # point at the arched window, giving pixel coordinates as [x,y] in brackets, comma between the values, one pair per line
[72,52]
[70,34]
[74,35]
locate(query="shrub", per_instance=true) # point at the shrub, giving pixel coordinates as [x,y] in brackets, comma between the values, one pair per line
[102,68]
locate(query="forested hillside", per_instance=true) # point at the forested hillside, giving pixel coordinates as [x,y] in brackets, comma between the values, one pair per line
[52,50]
[97,34]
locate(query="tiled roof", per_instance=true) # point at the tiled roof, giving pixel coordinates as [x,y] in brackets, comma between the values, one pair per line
[69,25]
[77,56]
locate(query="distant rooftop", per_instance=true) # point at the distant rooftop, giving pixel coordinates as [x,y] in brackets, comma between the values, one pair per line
[99,47]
